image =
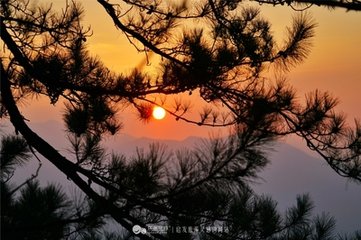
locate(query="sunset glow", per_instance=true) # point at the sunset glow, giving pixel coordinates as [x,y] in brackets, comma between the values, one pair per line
[158,113]
[219,110]
[336,71]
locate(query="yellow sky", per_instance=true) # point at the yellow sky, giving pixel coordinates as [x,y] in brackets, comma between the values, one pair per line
[334,65]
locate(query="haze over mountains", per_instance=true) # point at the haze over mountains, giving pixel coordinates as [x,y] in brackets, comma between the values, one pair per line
[291,172]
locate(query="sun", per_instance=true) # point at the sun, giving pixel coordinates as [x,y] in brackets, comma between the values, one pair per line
[158,113]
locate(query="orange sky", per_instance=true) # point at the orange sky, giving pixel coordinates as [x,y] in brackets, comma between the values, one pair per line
[334,65]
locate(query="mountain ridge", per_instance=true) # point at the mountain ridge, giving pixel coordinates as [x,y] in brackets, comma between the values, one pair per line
[291,172]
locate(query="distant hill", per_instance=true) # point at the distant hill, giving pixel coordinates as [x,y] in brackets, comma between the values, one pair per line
[291,172]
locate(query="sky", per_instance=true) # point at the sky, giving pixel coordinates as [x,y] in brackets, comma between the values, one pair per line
[334,65]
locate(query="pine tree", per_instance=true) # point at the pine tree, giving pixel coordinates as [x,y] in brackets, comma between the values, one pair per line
[223,59]
[301,5]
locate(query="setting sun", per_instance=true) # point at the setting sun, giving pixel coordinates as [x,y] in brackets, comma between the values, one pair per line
[158,113]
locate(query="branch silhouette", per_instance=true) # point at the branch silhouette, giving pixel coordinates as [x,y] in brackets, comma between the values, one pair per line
[222,59]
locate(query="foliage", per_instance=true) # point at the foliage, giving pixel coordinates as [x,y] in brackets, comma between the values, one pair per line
[301,5]
[29,211]
[14,152]
[219,49]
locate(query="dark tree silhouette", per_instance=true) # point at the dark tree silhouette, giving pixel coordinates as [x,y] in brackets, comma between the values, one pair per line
[29,211]
[222,57]
[301,5]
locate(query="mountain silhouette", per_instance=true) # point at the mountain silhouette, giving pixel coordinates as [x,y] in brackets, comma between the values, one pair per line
[291,171]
